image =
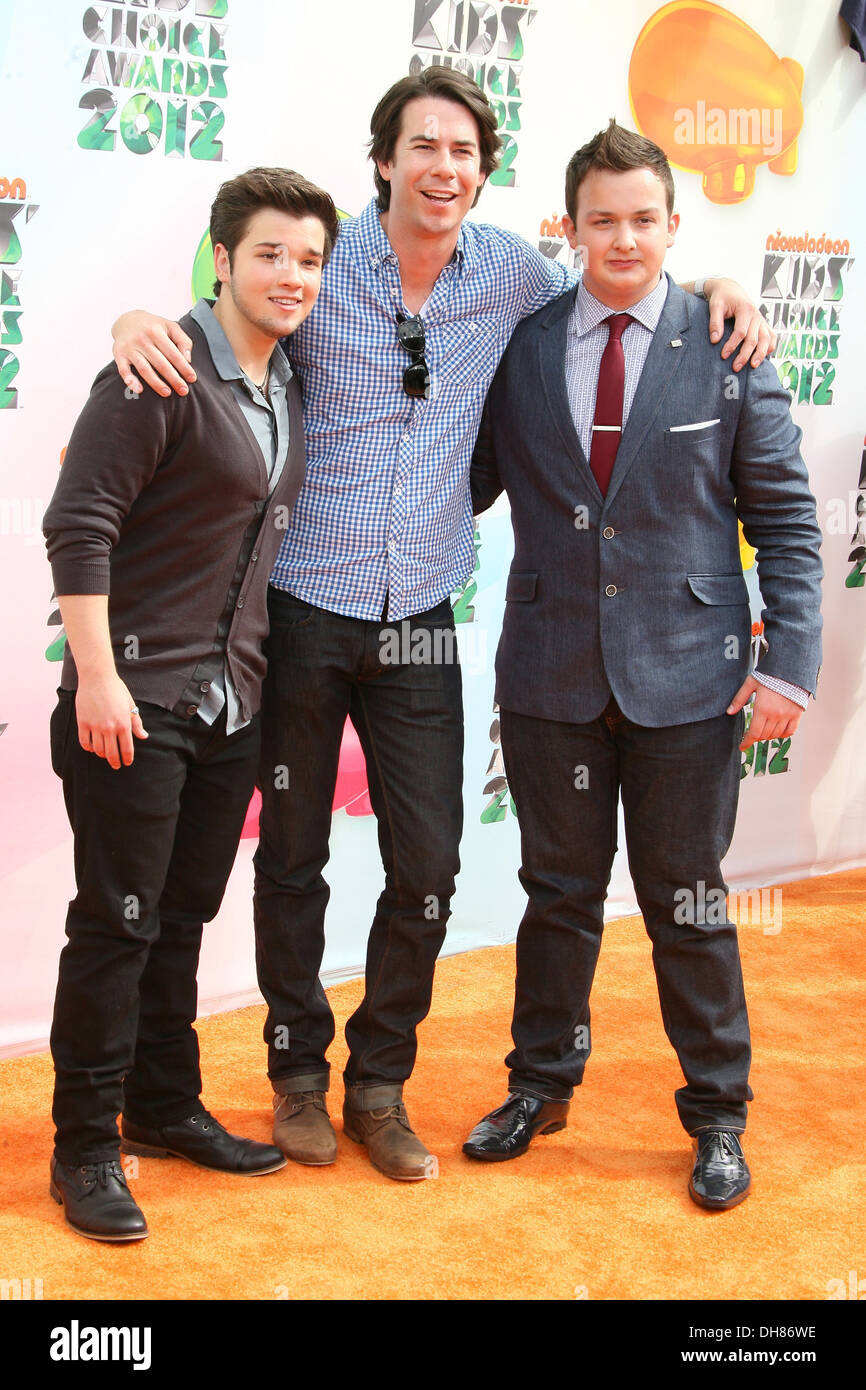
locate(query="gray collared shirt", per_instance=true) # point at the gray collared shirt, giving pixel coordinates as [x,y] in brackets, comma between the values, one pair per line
[268,418]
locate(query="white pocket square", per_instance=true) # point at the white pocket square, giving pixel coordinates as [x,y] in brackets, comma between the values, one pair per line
[700,425]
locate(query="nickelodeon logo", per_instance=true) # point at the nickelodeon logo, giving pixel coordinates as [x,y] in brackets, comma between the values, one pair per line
[12,188]
[552,227]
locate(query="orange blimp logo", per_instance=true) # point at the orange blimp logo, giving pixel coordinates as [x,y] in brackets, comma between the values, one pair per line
[715,96]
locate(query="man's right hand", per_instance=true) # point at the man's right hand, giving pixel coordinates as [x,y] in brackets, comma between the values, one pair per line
[108,720]
[158,349]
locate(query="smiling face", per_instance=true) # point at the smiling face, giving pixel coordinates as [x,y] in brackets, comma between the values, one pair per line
[623,223]
[435,170]
[272,279]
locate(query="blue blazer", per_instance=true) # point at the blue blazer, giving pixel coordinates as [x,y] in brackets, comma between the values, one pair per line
[640,594]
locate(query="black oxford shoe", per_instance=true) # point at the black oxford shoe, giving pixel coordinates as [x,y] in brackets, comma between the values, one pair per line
[96,1201]
[202,1140]
[720,1178]
[508,1131]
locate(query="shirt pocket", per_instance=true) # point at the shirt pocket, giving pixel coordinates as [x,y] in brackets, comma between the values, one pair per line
[465,352]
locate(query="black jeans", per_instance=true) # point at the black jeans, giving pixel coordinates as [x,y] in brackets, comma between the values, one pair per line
[400,684]
[679,791]
[154,846]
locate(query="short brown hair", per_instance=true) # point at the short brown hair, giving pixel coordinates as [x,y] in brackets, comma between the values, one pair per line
[620,150]
[436,81]
[241,198]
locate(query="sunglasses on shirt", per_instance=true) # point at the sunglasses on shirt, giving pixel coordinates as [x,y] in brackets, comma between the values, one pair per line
[416,377]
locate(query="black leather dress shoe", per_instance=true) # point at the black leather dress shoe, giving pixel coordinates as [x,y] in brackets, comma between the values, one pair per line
[720,1178]
[508,1131]
[96,1201]
[202,1140]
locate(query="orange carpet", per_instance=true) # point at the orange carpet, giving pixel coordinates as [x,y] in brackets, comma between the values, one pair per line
[599,1211]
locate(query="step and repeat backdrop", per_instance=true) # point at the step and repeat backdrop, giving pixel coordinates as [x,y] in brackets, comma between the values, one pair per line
[122,119]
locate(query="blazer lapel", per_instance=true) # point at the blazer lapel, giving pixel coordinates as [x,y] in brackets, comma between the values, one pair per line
[552,346]
[662,363]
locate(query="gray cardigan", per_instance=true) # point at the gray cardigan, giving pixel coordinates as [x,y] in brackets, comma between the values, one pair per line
[157,500]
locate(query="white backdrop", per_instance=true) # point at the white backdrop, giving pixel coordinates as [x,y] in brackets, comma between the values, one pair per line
[121,121]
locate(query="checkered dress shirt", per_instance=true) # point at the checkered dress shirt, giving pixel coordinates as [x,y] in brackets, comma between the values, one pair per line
[386,507]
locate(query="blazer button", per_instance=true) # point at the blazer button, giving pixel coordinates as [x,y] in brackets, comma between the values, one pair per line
[610,590]
[192,709]
[204,687]
[608,533]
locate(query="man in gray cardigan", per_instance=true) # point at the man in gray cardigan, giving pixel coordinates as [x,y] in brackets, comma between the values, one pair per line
[161,535]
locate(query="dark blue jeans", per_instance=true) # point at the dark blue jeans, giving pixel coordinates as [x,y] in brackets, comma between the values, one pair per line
[407,711]
[154,846]
[679,789]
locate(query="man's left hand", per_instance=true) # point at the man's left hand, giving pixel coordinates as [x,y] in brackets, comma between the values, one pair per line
[773,716]
[751,332]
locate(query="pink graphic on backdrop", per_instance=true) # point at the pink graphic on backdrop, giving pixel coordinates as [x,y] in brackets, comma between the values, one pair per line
[350,793]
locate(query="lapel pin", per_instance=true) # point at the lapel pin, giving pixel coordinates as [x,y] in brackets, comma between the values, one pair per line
[676,342]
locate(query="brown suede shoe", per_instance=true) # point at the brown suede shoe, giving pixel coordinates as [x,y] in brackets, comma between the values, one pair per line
[302,1127]
[374,1115]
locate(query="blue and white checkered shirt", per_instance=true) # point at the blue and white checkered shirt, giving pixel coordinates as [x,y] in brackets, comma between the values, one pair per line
[386,508]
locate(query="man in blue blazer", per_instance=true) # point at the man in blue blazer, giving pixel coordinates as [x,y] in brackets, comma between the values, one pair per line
[629,451]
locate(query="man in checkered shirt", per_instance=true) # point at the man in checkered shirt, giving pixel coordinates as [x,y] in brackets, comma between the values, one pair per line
[416,308]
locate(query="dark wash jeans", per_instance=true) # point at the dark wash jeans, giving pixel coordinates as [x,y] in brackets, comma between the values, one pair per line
[409,719]
[154,846]
[679,788]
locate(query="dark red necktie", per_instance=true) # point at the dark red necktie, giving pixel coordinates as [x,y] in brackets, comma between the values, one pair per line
[607,423]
